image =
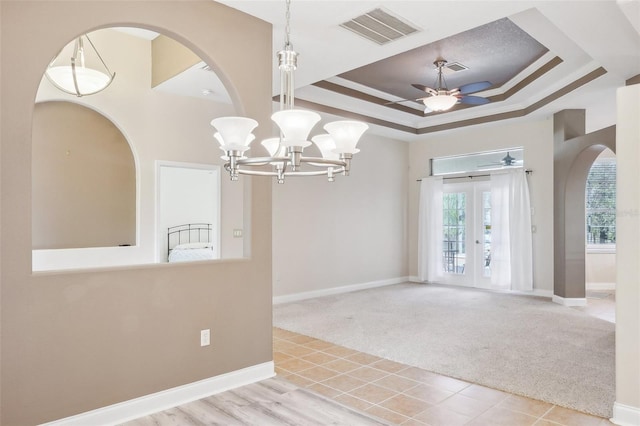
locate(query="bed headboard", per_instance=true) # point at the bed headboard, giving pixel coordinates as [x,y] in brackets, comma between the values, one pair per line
[188,233]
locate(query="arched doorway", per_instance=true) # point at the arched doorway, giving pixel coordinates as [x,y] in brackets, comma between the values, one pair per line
[574,153]
[600,261]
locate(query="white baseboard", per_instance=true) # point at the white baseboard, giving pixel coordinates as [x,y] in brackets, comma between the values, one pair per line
[625,415]
[569,301]
[534,292]
[337,290]
[163,400]
[600,286]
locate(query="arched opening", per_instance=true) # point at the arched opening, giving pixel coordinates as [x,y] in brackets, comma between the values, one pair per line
[600,218]
[161,101]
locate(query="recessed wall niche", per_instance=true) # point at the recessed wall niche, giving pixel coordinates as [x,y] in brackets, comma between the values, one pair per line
[155,111]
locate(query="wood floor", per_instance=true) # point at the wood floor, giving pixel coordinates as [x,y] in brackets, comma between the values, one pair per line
[269,402]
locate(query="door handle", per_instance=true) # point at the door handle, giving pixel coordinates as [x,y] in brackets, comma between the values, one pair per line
[477,241]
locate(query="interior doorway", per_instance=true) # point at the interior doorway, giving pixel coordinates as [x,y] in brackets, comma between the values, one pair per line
[600,220]
[188,194]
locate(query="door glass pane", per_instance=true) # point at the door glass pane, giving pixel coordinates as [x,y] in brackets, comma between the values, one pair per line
[486,232]
[454,232]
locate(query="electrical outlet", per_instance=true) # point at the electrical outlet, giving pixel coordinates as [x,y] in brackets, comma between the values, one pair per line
[205,337]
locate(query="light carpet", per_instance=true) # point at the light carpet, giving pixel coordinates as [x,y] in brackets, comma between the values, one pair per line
[520,344]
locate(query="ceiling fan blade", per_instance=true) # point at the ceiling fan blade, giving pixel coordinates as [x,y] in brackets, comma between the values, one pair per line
[421,87]
[474,87]
[474,100]
[402,100]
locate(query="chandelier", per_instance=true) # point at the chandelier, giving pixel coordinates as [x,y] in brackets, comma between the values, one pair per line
[75,77]
[337,146]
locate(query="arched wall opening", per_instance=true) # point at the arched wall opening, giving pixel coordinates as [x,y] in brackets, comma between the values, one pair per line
[155,100]
[574,153]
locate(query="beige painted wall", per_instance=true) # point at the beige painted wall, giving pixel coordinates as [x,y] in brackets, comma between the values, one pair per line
[73,342]
[537,140]
[600,270]
[351,231]
[84,179]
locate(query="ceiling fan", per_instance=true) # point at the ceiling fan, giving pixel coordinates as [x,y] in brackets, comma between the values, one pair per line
[506,161]
[442,99]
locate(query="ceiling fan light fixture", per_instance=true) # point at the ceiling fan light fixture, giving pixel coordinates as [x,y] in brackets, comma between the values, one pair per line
[439,102]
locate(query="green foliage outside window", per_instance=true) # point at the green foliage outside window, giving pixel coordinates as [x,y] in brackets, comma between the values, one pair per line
[601,202]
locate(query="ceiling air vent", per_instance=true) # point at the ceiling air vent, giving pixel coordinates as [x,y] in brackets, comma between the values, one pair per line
[379,26]
[450,68]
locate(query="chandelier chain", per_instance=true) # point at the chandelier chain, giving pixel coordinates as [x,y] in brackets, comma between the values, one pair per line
[287,28]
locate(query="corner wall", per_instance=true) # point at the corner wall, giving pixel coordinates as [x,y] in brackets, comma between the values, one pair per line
[73,342]
[343,233]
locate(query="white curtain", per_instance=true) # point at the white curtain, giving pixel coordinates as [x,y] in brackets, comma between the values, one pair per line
[511,242]
[430,230]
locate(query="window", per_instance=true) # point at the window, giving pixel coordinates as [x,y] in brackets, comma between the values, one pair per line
[600,201]
[454,232]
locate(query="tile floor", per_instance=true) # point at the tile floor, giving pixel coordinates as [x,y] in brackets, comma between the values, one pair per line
[601,304]
[406,395]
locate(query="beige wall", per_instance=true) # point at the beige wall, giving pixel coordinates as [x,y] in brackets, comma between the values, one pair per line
[600,270]
[537,140]
[84,179]
[73,342]
[347,232]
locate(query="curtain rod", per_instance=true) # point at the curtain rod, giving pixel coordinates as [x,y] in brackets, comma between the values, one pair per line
[471,176]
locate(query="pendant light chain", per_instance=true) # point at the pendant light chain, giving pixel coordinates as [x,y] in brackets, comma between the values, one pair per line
[287,27]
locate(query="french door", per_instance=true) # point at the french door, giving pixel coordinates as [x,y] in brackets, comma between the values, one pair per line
[466,231]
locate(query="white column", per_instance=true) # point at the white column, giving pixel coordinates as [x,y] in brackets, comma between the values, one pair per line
[626,410]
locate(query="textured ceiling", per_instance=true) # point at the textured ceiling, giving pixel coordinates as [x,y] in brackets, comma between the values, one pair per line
[494,52]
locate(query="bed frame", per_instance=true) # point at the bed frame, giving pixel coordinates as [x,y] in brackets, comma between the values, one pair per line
[188,233]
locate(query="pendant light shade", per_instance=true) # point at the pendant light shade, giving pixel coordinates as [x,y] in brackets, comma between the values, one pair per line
[295,126]
[274,148]
[327,146]
[440,102]
[84,73]
[346,135]
[235,132]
